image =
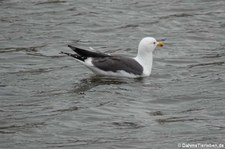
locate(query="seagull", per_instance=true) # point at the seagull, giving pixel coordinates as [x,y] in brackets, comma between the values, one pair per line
[116,65]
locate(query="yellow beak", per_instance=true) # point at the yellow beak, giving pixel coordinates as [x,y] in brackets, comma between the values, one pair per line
[160,44]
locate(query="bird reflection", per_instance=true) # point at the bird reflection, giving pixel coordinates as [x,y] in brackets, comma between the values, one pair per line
[94,81]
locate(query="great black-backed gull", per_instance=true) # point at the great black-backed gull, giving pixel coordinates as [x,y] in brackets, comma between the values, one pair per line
[114,65]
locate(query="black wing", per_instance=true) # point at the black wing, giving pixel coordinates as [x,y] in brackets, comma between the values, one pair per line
[86,53]
[77,56]
[117,63]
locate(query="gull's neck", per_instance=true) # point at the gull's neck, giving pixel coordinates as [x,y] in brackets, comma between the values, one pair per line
[145,59]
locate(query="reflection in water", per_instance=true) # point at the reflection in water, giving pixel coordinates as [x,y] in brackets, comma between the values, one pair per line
[93,81]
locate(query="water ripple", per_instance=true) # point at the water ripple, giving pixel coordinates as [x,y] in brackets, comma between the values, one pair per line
[51,101]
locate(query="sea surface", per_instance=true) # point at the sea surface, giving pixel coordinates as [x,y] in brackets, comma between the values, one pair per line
[49,100]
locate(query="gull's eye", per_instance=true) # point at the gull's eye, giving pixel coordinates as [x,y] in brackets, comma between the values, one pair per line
[154,42]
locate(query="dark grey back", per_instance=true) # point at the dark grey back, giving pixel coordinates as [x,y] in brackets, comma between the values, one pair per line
[116,63]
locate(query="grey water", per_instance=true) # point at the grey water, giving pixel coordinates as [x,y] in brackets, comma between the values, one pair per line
[48,100]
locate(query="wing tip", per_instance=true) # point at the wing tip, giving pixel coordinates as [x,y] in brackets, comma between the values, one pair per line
[71,47]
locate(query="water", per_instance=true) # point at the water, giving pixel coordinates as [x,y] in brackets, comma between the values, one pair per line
[48,100]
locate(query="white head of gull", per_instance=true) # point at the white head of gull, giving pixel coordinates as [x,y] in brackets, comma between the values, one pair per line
[145,53]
